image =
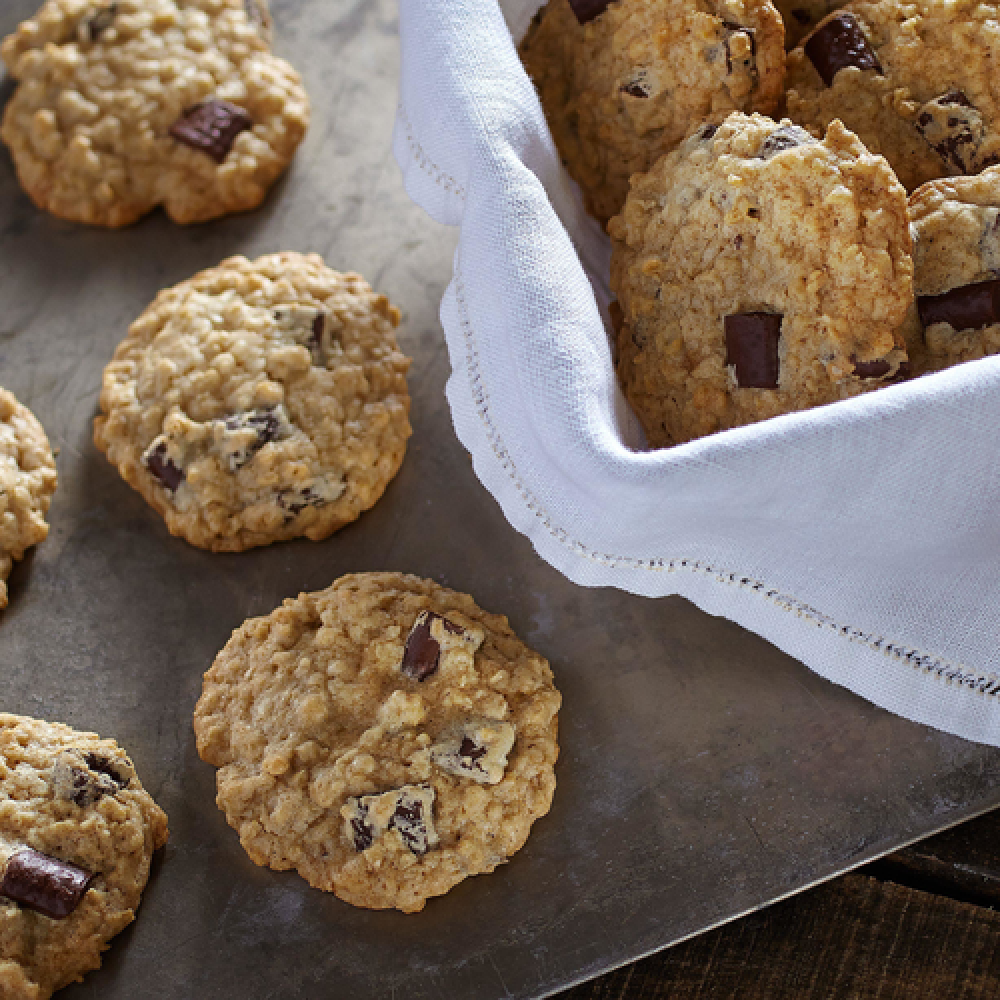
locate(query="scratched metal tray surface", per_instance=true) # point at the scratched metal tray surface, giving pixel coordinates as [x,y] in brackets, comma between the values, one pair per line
[703,773]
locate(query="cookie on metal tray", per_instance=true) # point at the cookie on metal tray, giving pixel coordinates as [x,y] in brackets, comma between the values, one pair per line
[123,105]
[27,482]
[259,401]
[385,737]
[956,257]
[77,834]
[758,271]
[622,83]
[914,81]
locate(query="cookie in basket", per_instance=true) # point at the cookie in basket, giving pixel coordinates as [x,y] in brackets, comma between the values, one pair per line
[914,81]
[955,223]
[124,105]
[623,83]
[27,482]
[259,401]
[758,271]
[385,737]
[77,834]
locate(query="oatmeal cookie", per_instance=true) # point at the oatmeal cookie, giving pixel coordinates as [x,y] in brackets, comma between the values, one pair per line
[955,224]
[915,81]
[259,401]
[123,105]
[27,482]
[759,271]
[77,833]
[623,83]
[385,737]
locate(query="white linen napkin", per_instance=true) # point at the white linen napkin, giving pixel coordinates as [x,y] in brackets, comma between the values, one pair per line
[862,538]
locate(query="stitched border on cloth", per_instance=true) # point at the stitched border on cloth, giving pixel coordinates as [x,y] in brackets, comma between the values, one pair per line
[423,161]
[986,684]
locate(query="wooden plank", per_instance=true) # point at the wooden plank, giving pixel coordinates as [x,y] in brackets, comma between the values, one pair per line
[853,939]
[963,863]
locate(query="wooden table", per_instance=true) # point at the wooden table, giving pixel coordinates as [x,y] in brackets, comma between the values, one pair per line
[917,925]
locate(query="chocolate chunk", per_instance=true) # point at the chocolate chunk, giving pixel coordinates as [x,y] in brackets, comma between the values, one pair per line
[318,326]
[161,466]
[587,10]
[786,137]
[969,307]
[872,369]
[746,57]
[468,748]
[636,89]
[840,43]
[363,835]
[752,348]
[409,821]
[422,652]
[320,493]
[244,434]
[707,132]
[100,764]
[953,128]
[51,887]
[211,127]
[92,27]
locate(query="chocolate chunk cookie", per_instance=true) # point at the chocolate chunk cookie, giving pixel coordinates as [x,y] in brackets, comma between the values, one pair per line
[77,833]
[955,223]
[801,16]
[914,81]
[623,83]
[259,401]
[27,482]
[123,105]
[385,737]
[759,270]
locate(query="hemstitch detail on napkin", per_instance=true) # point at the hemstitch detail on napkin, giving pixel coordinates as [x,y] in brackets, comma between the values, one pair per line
[986,684]
[423,161]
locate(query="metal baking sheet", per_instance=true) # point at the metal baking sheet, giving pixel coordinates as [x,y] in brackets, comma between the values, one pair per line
[703,774]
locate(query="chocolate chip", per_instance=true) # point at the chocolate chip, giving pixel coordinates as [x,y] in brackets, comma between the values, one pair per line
[211,127]
[296,501]
[471,750]
[707,132]
[953,128]
[587,10]
[266,425]
[422,652]
[752,348]
[161,466]
[51,887]
[635,89]
[100,764]
[872,369]
[318,326]
[754,213]
[840,43]
[408,820]
[969,307]
[362,834]
[92,27]
[786,137]
[744,61]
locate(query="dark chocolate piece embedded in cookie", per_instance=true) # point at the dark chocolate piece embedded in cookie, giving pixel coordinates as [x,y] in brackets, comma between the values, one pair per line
[478,750]
[786,137]
[407,810]
[211,127]
[44,884]
[157,459]
[838,43]
[752,349]
[430,635]
[587,10]
[85,778]
[954,129]
[969,307]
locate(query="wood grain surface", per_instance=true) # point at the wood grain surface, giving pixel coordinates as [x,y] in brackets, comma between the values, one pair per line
[917,925]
